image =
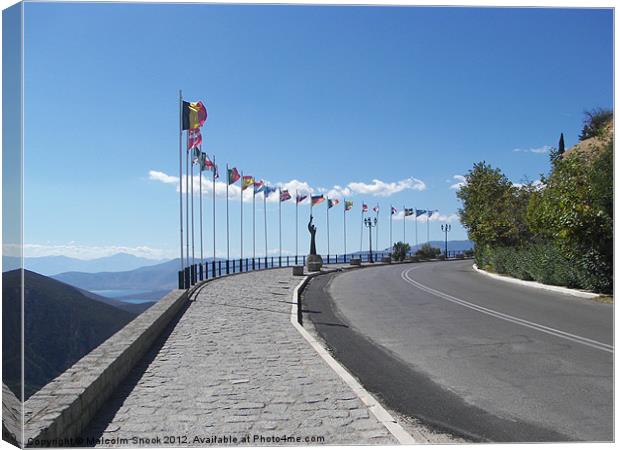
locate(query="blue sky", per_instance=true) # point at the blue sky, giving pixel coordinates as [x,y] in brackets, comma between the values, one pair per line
[327,96]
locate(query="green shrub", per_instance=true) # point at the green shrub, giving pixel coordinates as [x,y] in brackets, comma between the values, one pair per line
[400,250]
[426,251]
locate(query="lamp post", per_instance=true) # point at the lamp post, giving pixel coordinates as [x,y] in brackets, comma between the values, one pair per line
[446,228]
[370,223]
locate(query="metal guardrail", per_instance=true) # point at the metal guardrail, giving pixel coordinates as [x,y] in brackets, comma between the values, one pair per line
[215,269]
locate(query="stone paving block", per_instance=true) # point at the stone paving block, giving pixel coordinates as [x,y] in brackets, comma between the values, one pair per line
[234,364]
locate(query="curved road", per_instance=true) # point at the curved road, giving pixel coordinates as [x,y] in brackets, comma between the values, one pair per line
[462,352]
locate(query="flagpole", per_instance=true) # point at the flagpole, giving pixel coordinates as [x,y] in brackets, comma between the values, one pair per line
[181,172]
[404,227]
[377,230]
[200,191]
[428,239]
[192,196]
[241,218]
[253,222]
[415,217]
[391,214]
[327,227]
[227,221]
[344,221]
[214,170]
[280,219]
[362,230]
[187,200]
[296,225]
[265,217]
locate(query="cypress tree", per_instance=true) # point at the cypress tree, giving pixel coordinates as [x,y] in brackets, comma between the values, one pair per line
[561,144]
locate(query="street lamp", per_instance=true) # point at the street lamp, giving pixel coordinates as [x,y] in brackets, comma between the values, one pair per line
[446,228]
[370,222]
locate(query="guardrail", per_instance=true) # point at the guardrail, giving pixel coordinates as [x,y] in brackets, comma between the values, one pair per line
[218,268]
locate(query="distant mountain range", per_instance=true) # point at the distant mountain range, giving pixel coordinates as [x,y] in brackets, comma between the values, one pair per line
[62,324]
[158,277]
[53,265]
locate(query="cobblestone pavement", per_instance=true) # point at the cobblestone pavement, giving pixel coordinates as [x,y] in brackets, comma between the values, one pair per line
[235,366]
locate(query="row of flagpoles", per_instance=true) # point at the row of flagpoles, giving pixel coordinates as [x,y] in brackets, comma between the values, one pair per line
[193,115]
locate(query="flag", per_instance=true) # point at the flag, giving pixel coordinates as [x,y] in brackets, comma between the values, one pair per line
[364,207]
[259,186]
[316,199]
[376,209]
[208,163]
[194,115]
[196,155]
[394,210]
[429,213]
[284,195]
[348,204]
[332,202]
[247,182]
[419,212]
[268,190]
[194,138]
[301,197]
[202,161]
[233,175]
[216,171]
[408,212]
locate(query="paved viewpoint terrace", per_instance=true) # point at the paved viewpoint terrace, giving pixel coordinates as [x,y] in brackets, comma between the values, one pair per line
[232,367]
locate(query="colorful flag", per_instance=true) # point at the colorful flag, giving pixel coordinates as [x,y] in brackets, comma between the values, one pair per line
[301,197]
[419,212]
[216,171]
[394,210]
[348,204]
[259,186]
[194,115]
[233,175]
[316,199]
[208,163]
[194,138]
[364,207]
[284,195]
[408,212]
[376,209]
[332,202]
[268,190]
[247,181]
[202,161]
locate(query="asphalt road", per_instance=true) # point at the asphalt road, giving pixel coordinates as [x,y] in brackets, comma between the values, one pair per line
[464,353]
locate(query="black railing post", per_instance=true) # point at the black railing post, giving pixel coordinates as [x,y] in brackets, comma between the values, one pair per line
[219,267]
[287,262]
[187,278]
[181,281]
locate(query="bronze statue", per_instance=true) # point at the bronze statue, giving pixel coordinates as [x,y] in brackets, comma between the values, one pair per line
[312,230]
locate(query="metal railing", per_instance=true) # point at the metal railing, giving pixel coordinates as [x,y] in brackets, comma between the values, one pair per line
[219,268]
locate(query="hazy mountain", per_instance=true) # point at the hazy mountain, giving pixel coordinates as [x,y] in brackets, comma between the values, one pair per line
[134,308]
[61,325]
[52,265]
[157,277]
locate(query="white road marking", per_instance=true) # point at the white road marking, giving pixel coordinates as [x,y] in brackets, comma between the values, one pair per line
[499,315]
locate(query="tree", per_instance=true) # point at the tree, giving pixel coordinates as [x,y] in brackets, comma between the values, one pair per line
[400,251]
[595,123]
[561,144]
[426,251]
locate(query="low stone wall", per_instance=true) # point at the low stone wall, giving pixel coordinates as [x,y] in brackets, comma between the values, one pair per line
[57,414]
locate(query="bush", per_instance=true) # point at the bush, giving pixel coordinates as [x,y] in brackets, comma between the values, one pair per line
[595,122]
[400,250]
[468,253]
[427,252]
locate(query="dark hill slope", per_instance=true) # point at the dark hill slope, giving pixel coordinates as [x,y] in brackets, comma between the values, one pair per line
[61,326]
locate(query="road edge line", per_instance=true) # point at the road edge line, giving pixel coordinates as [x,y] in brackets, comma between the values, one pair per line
[380,413]
[536,284]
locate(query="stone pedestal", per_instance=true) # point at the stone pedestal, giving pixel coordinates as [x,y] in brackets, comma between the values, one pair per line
[298,271]
[356,261]
[314,263]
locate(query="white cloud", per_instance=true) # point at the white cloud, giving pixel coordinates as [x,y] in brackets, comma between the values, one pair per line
[380,188]
[78,251]
[536,184]
[377,188]
[460,182]
[543,149]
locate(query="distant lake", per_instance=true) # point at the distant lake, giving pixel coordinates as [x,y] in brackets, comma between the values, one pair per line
[124,295]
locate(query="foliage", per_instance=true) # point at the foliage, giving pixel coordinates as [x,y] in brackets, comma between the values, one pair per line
[557,232]
[493,208]
[400,250]
[426,251]
[595,122]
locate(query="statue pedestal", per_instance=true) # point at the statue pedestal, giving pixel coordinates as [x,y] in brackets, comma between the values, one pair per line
[314,263]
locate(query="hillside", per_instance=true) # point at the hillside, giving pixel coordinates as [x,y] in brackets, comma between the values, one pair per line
[61,326]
